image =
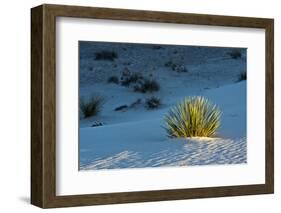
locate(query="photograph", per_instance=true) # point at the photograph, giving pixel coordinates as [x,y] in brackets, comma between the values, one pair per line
[139,105]
[159,105]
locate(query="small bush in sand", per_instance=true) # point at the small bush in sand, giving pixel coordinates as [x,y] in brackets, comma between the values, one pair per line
[106,55]
[169,64]
[242,76]
[135,77]
[235,54]
[96,124]
[193,117]
[113,79]
[130,78]
[91,106]
[152,102]
[176,67]
[157,47]
[147,85]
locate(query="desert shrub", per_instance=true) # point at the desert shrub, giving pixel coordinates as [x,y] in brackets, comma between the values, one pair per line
[147,85]
[130,78]
[152,102]
[135,77]
[169,64]
[91,106]
[96,124]
[242,76]
[193,117]
[106,55]
[235,54]
[157,47]
[180,68]
[113,79]
[176,67]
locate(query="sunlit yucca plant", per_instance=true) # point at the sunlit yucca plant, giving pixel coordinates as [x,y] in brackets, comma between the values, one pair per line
[193,117]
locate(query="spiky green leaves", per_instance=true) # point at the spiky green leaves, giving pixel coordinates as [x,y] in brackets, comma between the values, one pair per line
[193,117]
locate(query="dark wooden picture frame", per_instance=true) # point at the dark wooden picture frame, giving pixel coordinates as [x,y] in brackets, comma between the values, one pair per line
[43,105]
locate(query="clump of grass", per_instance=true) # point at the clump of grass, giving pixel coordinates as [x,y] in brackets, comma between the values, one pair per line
[242,76]
[193,117]
[157,47]
[91,106]
[147,85]
[169,64]
[235,54]
[106,55]
[130,78]
[96,124]
[176,67]
[113,79]
[137,81]
[152,102]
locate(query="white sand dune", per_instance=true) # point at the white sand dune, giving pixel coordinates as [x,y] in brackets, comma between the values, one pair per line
[187,153]
[144,143]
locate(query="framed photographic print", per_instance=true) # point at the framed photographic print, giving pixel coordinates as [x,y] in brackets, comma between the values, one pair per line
[136,106]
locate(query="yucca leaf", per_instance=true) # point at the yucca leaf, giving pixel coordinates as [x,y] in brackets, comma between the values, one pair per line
[194,116]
